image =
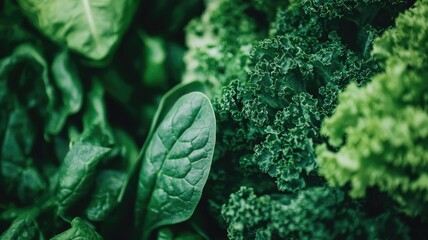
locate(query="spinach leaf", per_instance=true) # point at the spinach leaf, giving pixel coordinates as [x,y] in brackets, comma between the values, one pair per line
[176,163]
[79,230]
[111,183]
[91,28]
[23,227]
[66,79]
[166,233]
[25,79]
[95,115]
[19,176]
[167,101]
[78,169]
[106,194]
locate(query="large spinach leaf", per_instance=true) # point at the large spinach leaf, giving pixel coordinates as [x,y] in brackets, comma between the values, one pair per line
[176,163]
[90,27]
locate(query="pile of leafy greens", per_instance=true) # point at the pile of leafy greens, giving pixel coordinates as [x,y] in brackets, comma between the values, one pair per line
[192,119]
[289,141]
[92,145]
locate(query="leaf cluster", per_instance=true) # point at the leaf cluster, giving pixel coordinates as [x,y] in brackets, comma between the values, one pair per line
[379,131]
[82,85]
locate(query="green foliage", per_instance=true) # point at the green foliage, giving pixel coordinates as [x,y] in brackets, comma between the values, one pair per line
[277,70]
[406,40]
[78,170]
[337,9]
[379,132]
[176,163]
[26,70]
[292,83]
[215,53]
[241,130]
[313,213]
[22,228]
[105,197]
[291,95]
[79,85]
[79,230]
[91,28]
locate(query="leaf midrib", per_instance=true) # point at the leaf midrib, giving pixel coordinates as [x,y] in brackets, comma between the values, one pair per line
[155,181]
[91,23]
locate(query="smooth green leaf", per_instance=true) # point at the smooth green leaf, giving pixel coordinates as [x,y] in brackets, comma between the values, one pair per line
[129,156]
[18,138]
[95,112]
[92,28]
[95,119]
[23,228]
[66,79]
[18,173]
[106,195]
[154,72]
[79,230]
[77,172]
[167,233]
[26,74]
[176,163]
[167,101]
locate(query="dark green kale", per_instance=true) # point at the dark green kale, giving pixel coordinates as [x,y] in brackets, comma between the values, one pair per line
[274,82]
[313,213]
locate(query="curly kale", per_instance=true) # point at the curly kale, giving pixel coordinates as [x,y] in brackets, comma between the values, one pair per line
[314,213]
[277,71]
[346,8]
[293,83]
[213,53]
[379,133]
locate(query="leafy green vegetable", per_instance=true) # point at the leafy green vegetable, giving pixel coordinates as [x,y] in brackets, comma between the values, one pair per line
[65,76]
[44,91]
[277,69]
[92,28]
[379,132]
[106,120]
[168,234]
[78,171]
[21,228]
[176,163]
[19,174]
[274,94]
[314,213]
[105,197]
[338,8]
[79,230]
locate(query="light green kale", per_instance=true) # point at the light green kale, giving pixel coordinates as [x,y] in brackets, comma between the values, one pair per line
[176,164]
[379,133]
